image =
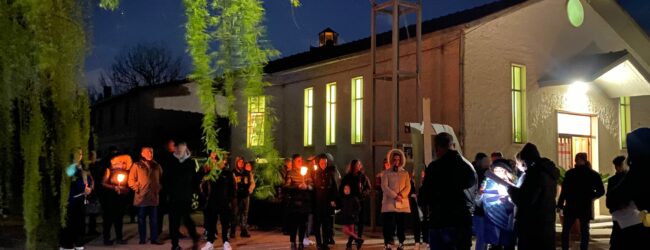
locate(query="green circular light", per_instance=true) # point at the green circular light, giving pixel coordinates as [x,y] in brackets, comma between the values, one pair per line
[575,12]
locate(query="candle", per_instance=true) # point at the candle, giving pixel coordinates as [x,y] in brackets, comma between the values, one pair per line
[303,171]
[120,178]
[315,167]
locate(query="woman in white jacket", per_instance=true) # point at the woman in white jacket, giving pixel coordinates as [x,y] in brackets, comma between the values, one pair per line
[395,186]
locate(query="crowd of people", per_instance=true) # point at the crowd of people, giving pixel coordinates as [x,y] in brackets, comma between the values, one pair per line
[502,203]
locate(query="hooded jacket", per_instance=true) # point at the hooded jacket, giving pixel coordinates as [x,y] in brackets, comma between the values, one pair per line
[394,183]
[535,201]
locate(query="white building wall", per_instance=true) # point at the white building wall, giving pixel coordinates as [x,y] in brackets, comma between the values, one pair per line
[538,35]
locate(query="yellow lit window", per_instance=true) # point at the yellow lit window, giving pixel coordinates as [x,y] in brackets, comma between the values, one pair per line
[309,117]
[625,121]
[330,118]
[255,126]
[518,103]
[357,110]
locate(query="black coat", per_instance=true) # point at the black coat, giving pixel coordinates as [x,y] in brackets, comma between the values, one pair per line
[445,191]
[350,209]
[580,188]
[221,191]
[166,161]
[325,190]
[535,201]
[299,200]
[183,181]
[612,183]
[359,185]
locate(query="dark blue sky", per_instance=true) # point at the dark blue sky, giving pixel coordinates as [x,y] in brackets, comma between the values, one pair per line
[138,21]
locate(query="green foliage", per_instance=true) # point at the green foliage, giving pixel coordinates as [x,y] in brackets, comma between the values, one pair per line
[41,61]
[109,4]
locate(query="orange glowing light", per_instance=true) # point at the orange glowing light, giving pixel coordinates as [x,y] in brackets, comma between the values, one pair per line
[303,171]
[315,167]
[120,178]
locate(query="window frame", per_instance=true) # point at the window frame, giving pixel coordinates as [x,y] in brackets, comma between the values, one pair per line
[356,110]
[518,103]
[259,113]
[624,119]
[330,113]
[308,121]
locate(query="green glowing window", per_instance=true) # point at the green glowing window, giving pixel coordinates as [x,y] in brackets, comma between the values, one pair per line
[518,103]
[330,113]
[255,125]
[625,123]
[308,130]
[357,110]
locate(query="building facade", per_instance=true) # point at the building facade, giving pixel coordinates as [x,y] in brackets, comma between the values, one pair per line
[500,75]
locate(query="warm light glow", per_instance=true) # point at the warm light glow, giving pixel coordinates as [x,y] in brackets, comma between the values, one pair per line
[315,167]
[573,124]
[518,92]
[576,99]
[255,125]
[120,178]
[578,88]
[303,171]
[619,74]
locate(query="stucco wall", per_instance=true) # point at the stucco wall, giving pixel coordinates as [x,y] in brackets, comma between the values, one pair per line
[440,82]
[538,35]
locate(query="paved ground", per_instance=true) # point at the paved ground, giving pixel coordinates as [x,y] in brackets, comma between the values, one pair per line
[272,240]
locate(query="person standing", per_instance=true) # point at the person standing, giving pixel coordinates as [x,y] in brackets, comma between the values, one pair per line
[446,191]
[284,198]
[116,191]
[325,193]
[613,182]
[180,195]
[245,186]
[81,185]
[498,228]
[632,194]
[218,185]
[359,185]
[166,159]
[144,179]
[415,214]
[395,205]
[481,165]
[581,186]
[299,188]
[94,207]
[350,211]
[535,200]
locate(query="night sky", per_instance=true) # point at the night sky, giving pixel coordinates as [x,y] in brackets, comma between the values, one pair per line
[290,30]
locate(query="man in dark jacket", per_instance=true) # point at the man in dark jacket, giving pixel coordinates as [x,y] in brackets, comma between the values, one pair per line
[326,193]
[535,200]
[180,192]
[245,182]
[633,190]
[448,197]
[220,187]
[581,186]
[613,182]
[166,159]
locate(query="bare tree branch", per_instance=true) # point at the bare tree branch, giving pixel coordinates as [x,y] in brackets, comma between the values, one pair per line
[143,65]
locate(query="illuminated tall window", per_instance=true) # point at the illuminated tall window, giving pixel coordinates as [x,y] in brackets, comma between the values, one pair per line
[518,103]
[255,125]
[357,110]
[309,117]
[330,110]
[625,121]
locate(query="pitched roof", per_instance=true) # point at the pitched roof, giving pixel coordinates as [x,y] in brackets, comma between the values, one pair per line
[315,55]
[583,67]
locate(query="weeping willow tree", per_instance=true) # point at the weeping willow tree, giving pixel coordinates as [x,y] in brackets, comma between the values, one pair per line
[43,107]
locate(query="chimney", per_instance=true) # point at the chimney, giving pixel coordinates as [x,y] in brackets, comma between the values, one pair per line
[328,37]
[108,91]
